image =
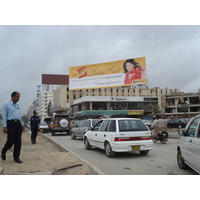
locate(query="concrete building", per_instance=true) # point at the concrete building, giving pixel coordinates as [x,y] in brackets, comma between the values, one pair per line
[33,107]
[111,101]
[44,99]
[181,104]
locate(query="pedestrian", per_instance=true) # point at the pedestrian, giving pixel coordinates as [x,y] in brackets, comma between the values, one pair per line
[12,126]
[35,125]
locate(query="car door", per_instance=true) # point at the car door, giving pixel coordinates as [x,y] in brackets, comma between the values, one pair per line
[188,144]
[196,147]
[77,130]
[103,133]
[170,124]
[93,134]
[84,128]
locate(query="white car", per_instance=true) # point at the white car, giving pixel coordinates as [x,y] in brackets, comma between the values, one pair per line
[188,150]
[44,127]
[119,135]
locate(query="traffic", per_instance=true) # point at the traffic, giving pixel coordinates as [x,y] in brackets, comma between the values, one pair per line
[122,137]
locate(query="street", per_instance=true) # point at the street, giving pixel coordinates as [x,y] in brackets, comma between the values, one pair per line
[160,161]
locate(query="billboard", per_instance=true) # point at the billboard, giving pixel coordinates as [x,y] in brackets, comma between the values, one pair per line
[111,74]
[55,79]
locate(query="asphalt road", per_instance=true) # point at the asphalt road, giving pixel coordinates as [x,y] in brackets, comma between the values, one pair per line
[160,161]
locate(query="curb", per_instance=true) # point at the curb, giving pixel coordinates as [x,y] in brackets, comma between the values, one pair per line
[96,170]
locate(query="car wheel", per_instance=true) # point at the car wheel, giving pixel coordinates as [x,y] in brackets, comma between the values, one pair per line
[87,144]
[180,161]
[68,132]
[73,136]
[108,150]
[144,152]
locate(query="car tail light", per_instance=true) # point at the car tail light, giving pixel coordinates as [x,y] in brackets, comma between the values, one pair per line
[131,138]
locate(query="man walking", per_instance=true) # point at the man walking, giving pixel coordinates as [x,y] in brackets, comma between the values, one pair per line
[35,125]
[12,126]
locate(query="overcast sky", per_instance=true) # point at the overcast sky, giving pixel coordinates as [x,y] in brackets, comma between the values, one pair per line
[27,52]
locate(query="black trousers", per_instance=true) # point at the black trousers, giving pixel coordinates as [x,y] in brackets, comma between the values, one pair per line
[13,138]
[34,132]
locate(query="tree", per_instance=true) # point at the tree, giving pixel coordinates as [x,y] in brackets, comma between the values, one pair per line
[156,109]
[184,108]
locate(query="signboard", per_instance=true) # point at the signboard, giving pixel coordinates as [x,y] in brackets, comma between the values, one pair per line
[135,112]
[109,112]
[118,99]
[111,74]
[55,79]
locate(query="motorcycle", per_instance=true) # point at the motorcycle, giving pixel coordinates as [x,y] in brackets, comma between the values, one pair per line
[161,137]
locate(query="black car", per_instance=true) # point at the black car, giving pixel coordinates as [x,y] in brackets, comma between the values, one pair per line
[60,123]
[176,123]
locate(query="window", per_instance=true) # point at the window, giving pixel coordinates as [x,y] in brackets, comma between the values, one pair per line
[131,125]
[80,124]
[104,126]
[193,128]
[97,126]
[94,121]
[86,123]
[112,127]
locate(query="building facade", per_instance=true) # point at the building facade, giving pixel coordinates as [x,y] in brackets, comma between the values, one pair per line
[44,99]
[108,101]
[181,105]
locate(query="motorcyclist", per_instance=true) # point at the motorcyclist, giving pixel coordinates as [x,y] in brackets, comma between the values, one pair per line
[158,126]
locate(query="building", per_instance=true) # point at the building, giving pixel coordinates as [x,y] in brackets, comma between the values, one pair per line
[181,104]
[114,101]
[44,99]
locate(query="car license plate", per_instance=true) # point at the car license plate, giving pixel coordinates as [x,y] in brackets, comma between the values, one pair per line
[41,130]
[55,124]
[136,148]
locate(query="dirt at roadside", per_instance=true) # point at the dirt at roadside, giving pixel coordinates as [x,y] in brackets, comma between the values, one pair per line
[42,158]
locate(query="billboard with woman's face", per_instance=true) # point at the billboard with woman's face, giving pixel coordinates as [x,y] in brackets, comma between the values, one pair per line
[111,74]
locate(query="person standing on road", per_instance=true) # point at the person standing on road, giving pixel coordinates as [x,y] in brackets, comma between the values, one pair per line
[35,125]
[12,126]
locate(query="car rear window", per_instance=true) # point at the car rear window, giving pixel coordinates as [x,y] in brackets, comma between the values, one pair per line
[131,125]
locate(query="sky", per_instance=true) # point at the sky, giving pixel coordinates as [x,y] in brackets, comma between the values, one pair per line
[28,50]
[47,37]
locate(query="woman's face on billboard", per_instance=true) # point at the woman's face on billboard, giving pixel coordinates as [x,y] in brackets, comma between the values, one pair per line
[129,67]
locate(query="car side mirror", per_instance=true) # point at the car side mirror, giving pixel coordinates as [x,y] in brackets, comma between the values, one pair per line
[90,128]
[181,133]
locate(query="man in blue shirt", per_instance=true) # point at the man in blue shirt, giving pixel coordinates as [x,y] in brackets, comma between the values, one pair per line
[12,126]
[35,125]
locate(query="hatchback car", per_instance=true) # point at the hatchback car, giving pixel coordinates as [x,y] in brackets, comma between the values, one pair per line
[60,123]
[188,150]
[119,135]
[80,129]
[176,123]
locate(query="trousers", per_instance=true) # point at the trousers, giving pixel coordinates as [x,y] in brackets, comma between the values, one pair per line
[34,132]
[13,138]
